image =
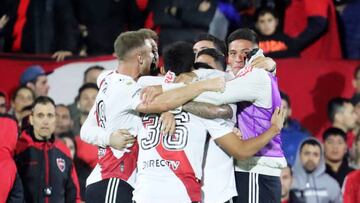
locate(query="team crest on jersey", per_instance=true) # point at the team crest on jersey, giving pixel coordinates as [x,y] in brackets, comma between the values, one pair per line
[60,162]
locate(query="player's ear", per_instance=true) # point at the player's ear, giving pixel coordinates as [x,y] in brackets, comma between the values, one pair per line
[140,59]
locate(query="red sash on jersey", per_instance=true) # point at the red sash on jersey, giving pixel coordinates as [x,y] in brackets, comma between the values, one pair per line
[184,172]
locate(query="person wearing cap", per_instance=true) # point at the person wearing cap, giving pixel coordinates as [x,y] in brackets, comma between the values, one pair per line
[335,154]
[35,78]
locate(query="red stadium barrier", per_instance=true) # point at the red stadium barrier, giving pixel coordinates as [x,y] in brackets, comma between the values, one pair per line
[309,83]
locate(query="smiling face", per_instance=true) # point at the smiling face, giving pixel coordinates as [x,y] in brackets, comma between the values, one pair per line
[43,120]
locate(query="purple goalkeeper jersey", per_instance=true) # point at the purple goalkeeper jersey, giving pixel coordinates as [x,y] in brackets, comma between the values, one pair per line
[253,121]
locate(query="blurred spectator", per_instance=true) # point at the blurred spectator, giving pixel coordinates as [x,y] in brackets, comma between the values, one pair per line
[41,27]
[35,78]
[53,178]
[273,41]
[310,182]
[87,95]
[3,103]
[24,118]
[356,81]
[286,177]
[351,189]
[314,22]
[292,133]
[11,189]
[355,161]
[83,170]
[342,115]
[63,120]
[90,76]
[22,97]
[355,100]
[335,150]
[350,19]
[101,21]
[181,20]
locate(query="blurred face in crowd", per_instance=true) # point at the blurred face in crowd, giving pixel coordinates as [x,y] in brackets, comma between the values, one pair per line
[356,82]
[70,144]
[286,181]
[43,120]
[87,100]
[92,76]
[2,105]
[267,24]
[357,112]
[41,86]
[208,60]
[23,98]
[237,53]
[203,44]
[335,148]
[286,108]
[63,120]
[347,117]
[310,157]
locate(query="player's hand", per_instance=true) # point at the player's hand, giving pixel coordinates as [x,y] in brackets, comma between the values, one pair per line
[148,94]
[185,78]
[121,139]
[278,118]
[266,63]
[238,133]
[168,123]
[215,84]
[61,55]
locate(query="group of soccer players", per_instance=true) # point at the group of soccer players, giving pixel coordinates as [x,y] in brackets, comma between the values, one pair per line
[172,138]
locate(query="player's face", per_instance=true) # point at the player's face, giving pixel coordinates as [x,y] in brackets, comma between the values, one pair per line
[203,44]
[237,53]
[63,120]
[310,157]
[286,180]
[43,120]
[267,24]
[147,56]
[41,86]
[87,100]
[335,148]
[155,51]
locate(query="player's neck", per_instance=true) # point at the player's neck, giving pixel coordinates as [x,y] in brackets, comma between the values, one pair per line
[128,68]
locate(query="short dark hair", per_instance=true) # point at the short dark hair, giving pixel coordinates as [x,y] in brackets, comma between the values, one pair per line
[219,44]
[310,141]
[179,57]
[43,100]
[262,11]
[216,55]
[2,94]
[17,90]
[128,41]
[95,67]
[245,34]
[336,105]
[87,86]
[285,97]
[334,132]
[357,70]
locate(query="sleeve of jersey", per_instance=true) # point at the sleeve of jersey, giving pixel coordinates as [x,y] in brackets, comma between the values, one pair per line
[91,133]
[218,127]
[247,88]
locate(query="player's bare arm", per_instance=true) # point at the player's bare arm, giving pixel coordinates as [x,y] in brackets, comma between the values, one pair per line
[209,111]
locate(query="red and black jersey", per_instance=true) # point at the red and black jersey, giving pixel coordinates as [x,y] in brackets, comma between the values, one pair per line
[46,170]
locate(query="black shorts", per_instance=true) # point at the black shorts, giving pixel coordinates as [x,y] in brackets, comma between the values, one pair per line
[113,190]
[257,188]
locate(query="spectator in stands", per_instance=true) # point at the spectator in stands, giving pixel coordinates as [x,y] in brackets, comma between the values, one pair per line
[53,178]
[87,95]
[182,20]
[286,177]
[356,81]
[314,23]
[355,159]
[342,115]
[63,119]
[351,188]
[293,133]
[3,103]
[273,41]
[41,27]
[335,151]
[310,180]
[11,189]
[22,97]
[90,76]
[355,100]
[35,78]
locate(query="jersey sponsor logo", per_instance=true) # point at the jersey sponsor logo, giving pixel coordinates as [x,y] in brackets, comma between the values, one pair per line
[158,163]
[60,162]
[174,142]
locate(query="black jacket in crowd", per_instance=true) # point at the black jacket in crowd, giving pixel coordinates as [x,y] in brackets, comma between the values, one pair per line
[340,175]
[46,170]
